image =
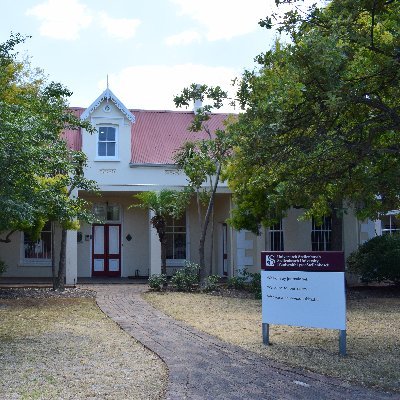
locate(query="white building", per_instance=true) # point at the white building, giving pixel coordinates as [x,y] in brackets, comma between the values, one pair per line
[132,152]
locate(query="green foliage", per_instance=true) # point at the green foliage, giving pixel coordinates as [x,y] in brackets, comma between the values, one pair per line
[247,281]
[164,204]
[187,278]
[202,161]
[254,284]
[321,121]
[37,165]
[237,282]
[211,283]
[3,267]
[39,172]
[157,281]
[377,260]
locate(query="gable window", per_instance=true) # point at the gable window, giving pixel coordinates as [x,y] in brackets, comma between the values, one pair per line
[275,237]
[107,143]
[38,252]
[176,241]
[390,224]
[321,235]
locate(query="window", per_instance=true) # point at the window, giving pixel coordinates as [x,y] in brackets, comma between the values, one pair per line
[38,252]
[107,142]
[107,212]
[176,239]
[275,237]
[321,235]
[390,224]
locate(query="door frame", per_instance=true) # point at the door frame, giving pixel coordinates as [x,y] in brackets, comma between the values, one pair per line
[106,255]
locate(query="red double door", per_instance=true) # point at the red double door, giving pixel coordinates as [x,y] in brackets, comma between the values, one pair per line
[106,250]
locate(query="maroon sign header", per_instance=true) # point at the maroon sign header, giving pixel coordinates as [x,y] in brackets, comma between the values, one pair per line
[313,261]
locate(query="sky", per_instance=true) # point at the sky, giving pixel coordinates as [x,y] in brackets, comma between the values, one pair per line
[150,50]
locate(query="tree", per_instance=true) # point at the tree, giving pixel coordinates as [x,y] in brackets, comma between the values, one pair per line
[321,126]
[56,194]
[164,204]
[203,160]
[39,171]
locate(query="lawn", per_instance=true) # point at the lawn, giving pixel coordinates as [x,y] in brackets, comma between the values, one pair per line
[373,334]
[66,348]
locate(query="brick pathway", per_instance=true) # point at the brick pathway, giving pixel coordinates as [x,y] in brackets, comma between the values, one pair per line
[203,367]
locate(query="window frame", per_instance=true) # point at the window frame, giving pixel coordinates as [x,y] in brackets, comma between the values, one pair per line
[107,205]
[272,231]
[36,262]
[177,262]
[393,227]
[325,231]
[115,157]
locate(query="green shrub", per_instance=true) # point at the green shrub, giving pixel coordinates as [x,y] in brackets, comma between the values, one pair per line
[187,278]
[3,267]
[211,283]
[377,260]
[157,281]
[247,281]
[254,284]
[238,282]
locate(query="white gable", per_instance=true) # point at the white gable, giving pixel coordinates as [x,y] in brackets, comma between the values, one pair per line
[108,95]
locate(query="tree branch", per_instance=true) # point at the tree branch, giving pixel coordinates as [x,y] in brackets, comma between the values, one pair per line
[373,24]
[7,238]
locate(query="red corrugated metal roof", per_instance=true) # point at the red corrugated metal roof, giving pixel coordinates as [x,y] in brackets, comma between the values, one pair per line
[156,135]
[74,137]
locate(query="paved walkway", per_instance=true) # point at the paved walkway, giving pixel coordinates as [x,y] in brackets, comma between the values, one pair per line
[203,367]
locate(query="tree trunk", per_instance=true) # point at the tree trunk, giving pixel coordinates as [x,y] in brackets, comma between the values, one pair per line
[159,224]
[212,242]
[199,209]
[203,271]
[337,230]
[164,255]
[62,262]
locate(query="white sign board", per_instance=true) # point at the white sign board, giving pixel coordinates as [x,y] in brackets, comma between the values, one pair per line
[299,298]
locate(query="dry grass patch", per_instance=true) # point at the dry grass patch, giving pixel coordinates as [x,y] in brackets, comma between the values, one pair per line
[373,335]
[57,348]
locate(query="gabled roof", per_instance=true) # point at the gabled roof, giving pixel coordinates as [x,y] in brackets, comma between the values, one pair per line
[108,95]
[156,135]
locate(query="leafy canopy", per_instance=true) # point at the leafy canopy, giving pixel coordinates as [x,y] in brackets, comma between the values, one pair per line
[37,166]
[321,126]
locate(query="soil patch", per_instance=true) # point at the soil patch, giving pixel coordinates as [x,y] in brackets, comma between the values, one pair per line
[61,346]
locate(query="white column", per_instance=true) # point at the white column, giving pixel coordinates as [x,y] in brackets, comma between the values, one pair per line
[71,267]
[155,249]
[71,261]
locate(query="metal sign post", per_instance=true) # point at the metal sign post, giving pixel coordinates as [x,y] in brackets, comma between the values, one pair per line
[342,342]
[265,333]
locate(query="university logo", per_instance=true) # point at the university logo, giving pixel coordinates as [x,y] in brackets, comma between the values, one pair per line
[269,260]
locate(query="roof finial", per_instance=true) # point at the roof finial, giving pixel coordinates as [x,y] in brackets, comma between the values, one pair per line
[107,81]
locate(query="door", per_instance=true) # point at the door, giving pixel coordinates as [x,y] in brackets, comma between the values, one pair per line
[106,252]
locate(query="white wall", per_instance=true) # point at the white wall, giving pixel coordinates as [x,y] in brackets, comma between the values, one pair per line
[118,175]
[11,254]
